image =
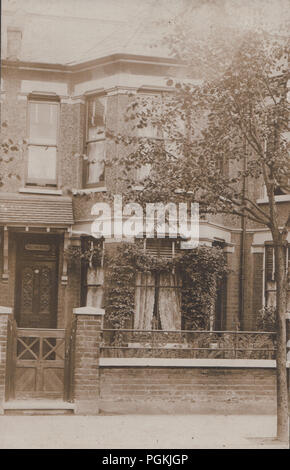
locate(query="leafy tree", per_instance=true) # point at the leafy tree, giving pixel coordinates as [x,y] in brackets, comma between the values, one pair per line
[220,137]
[9,149]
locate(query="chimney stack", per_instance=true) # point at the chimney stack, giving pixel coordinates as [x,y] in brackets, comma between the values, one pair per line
[14,37]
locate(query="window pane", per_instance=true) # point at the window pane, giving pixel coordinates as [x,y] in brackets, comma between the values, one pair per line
[143,172]
[42,164]
[43,123]
[96,166]
[96,117]
[150,131]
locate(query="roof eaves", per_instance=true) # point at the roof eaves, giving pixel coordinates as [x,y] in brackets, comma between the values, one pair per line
[82,66]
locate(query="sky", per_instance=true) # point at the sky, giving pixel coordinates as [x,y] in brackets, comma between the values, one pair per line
[239,11]
[121,10]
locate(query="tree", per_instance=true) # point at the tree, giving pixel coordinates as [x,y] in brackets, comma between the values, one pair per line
[223,137]
[9,149]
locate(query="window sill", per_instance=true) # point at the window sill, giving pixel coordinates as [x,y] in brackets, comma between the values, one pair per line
[281,198]
[56,192]
[101,189]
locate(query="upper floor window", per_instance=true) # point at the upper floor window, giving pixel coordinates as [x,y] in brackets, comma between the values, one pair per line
[149,132]
[94,165]
[42,144]
[282,190]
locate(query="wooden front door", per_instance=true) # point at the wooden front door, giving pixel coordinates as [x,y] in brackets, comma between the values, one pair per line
[36,283]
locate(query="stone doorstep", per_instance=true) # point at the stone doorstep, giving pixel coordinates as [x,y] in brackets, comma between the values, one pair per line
[38,407]
[38,404]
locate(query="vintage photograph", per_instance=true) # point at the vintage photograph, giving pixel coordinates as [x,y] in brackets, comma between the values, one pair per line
[145,227]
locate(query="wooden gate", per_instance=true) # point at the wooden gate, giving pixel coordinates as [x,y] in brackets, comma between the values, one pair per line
[39,363]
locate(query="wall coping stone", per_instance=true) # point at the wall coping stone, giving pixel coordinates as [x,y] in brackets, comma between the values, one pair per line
[5,310]
[88,311]
[167,362]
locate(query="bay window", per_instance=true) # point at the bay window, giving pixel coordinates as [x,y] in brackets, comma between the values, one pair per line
[157,295]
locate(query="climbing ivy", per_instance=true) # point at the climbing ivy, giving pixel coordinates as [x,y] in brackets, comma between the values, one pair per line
[120,274]
[90,252]
[200,269]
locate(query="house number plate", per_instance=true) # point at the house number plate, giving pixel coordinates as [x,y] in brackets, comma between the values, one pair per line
[34,247]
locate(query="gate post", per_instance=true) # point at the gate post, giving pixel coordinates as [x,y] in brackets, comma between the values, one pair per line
[89,323]
[288,351]
[5,312]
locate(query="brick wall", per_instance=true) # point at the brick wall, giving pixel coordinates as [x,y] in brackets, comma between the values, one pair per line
[7,286]
[86,360]
[3,347]
[187,389]
[4,316]
[14,110]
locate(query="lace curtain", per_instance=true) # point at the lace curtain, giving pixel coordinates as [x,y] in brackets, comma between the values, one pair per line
[162,293]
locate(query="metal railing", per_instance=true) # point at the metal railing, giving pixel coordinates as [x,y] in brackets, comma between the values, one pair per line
[188,344]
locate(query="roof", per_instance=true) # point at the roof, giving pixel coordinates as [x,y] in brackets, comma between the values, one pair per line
[25,210]
[75,31]
[61,37]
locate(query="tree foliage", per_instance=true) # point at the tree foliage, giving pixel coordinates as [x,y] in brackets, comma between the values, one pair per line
[223,134]
[207,129]
[9,150]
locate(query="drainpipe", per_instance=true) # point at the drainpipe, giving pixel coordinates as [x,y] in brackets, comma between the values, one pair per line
[242,250]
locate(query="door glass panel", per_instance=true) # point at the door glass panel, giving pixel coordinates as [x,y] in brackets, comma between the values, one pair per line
[27,290]
[45,286]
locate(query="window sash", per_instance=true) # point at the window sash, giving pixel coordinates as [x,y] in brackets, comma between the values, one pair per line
[94,164]
[43,120]
[42,165]
[270,262]
[164,247]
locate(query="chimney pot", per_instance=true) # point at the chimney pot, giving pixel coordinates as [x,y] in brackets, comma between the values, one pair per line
[14,37]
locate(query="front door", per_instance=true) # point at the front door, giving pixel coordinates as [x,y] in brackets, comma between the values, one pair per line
[36,282]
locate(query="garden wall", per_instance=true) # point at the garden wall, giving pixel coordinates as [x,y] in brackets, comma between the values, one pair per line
[187,386]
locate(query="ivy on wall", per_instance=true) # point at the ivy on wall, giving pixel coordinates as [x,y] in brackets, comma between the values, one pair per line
[199,269]
[90,252]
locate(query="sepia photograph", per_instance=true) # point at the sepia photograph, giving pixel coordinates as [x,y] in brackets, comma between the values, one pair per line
[144,228]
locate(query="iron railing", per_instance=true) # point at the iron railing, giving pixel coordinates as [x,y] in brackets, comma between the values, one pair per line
[188,344]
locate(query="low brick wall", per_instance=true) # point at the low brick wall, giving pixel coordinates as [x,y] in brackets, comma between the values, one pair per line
[189,389]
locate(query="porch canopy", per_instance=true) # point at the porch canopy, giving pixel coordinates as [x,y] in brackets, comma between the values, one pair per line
[27,211]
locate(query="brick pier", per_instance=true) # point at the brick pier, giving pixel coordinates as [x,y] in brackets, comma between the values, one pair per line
[87,352]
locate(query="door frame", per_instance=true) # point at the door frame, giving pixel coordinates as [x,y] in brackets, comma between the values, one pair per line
[35,238]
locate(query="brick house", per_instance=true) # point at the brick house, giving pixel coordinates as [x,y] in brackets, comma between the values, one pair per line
[63,109]
[62,105]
